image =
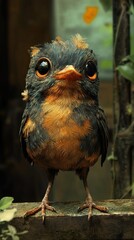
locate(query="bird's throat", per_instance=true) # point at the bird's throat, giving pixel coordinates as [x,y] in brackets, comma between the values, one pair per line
[70,92]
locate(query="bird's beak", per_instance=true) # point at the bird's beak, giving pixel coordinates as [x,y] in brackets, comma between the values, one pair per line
[68,73]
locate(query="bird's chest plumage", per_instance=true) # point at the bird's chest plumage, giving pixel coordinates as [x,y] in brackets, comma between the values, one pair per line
[62,146]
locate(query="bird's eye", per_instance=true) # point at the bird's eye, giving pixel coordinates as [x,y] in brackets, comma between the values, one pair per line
[91,70]
[42,67]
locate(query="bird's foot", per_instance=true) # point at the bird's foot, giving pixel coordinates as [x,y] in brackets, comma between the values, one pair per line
[42,207]
[90,205]
[45,206]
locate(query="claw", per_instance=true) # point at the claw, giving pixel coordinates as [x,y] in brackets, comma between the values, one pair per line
[90,205]
[32,212]
[43,207]
[49,208]
[82,207]
[100,208]
[46,206]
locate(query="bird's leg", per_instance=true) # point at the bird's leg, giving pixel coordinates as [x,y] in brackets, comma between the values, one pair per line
[89,201]
[45,203]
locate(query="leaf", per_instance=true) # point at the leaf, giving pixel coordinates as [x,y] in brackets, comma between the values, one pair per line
[127,70]
[128,58]
[12,229]
[5,202]
[112,157]
[22,233]
[7,215]
[90,14]
[15,237]
[131,58]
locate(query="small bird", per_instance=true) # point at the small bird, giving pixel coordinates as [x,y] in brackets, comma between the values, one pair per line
[63,127]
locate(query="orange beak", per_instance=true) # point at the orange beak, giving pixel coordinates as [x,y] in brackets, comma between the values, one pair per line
[68,73]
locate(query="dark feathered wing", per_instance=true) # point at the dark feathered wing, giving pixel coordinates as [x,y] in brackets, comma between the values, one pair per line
[103,133]
[22,138]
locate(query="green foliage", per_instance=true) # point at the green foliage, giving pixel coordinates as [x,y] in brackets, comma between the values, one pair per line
[126,68]
[5,202]
[7,231]
[6,215]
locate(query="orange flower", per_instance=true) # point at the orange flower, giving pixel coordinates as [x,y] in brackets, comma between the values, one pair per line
[90,14]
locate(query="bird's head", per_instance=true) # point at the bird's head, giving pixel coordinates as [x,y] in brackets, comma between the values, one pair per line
[63,69]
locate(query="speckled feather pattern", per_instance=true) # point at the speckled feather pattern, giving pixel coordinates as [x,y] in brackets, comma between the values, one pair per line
[63,126]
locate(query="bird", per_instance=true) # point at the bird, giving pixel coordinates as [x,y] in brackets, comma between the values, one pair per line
[63,127]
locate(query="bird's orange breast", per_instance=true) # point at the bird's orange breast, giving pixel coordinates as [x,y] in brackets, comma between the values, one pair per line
[63,149]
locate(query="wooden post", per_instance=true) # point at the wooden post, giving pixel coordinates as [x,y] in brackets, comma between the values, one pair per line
[122,98]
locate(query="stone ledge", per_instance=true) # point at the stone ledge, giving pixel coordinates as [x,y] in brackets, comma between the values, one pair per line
[68,224]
